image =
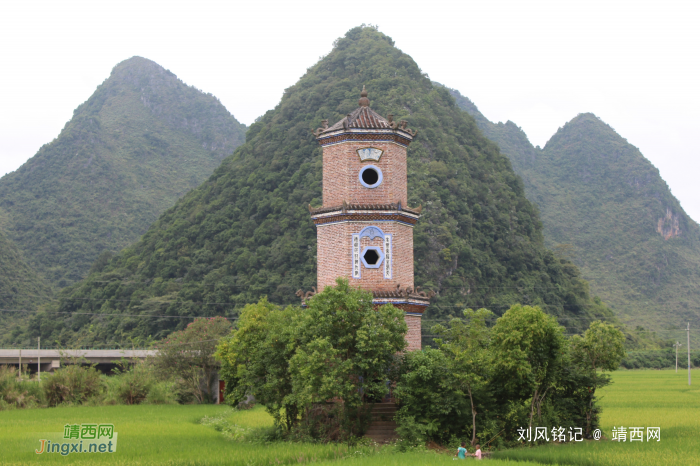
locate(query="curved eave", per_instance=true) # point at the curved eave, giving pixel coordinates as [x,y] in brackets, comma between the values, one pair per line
[370,134]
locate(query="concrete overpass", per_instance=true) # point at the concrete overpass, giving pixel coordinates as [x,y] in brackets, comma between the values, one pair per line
[105,359]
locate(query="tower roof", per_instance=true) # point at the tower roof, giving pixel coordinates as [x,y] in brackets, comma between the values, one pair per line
[364,117]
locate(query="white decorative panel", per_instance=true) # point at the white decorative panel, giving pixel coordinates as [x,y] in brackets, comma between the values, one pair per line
[356,256]
[369,153]
[388,253]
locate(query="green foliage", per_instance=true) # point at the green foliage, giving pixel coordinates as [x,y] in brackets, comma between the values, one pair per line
[527,347]
[660,359]
[73,384]
[412,434]
[296,361]
[467,344]
[600,348]
[485,383]
[608,206]
[636,398]
[188,357]
[246,232]
[431,407]
[77,384]
[21,287]
[255,360]
[140,142]
[346,347]
[16,392]
[136,383]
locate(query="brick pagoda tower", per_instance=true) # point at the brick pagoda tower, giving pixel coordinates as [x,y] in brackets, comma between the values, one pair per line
[365,228]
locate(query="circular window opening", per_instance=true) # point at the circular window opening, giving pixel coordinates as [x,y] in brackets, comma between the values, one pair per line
[370,176]
[371,257]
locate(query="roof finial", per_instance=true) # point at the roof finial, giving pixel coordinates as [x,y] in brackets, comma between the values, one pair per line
[364,101]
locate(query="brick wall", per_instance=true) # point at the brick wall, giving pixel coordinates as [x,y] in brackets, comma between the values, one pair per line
[413,336]
[341,168]
[334,253]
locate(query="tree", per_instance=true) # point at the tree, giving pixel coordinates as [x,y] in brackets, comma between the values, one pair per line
[189,355]
[255,360]
[340,348]
[466,343]
[528,348]
[347,348]
[430,407]
[600,348]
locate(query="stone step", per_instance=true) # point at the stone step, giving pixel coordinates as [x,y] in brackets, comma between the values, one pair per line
[382,429]
[381,422]
[384,411]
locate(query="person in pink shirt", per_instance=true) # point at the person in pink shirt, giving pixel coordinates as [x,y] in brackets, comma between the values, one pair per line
[477,455]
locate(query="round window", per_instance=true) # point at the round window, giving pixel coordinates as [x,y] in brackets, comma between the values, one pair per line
[370,176]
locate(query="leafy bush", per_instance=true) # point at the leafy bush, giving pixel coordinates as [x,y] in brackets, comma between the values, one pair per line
[162,392]
[430,408]
[187,356]
[15,393]
[413,434]
[485,383]
[293,361]
[133,382]
[72,384]
[76,384]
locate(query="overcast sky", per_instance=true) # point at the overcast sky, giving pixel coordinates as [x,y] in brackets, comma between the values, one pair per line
[635,64]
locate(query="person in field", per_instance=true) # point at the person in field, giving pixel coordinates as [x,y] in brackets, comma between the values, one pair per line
[462,452]
[477,455]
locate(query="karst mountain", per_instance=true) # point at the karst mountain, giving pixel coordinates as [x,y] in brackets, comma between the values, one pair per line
[21,288]
[606,207]
[141,141]
[246,232]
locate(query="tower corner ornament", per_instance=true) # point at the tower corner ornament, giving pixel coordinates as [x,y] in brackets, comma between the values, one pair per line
[364,227]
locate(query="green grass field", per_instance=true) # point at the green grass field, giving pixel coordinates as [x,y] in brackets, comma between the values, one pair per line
[637,399]
[175,435]
[148,435]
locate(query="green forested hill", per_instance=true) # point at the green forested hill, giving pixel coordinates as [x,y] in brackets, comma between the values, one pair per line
[606,206]
[247,232]
[141,141]
[21,288]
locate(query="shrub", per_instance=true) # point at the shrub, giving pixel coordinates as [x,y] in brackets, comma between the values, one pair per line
[136,384]
[18,394]
[133,383]
[294,361]
[413,433]
[188,356]
[429,405]
[73,384]
[161,393]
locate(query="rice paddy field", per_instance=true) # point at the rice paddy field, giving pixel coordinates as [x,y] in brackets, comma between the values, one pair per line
[645,398]
[210,434]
